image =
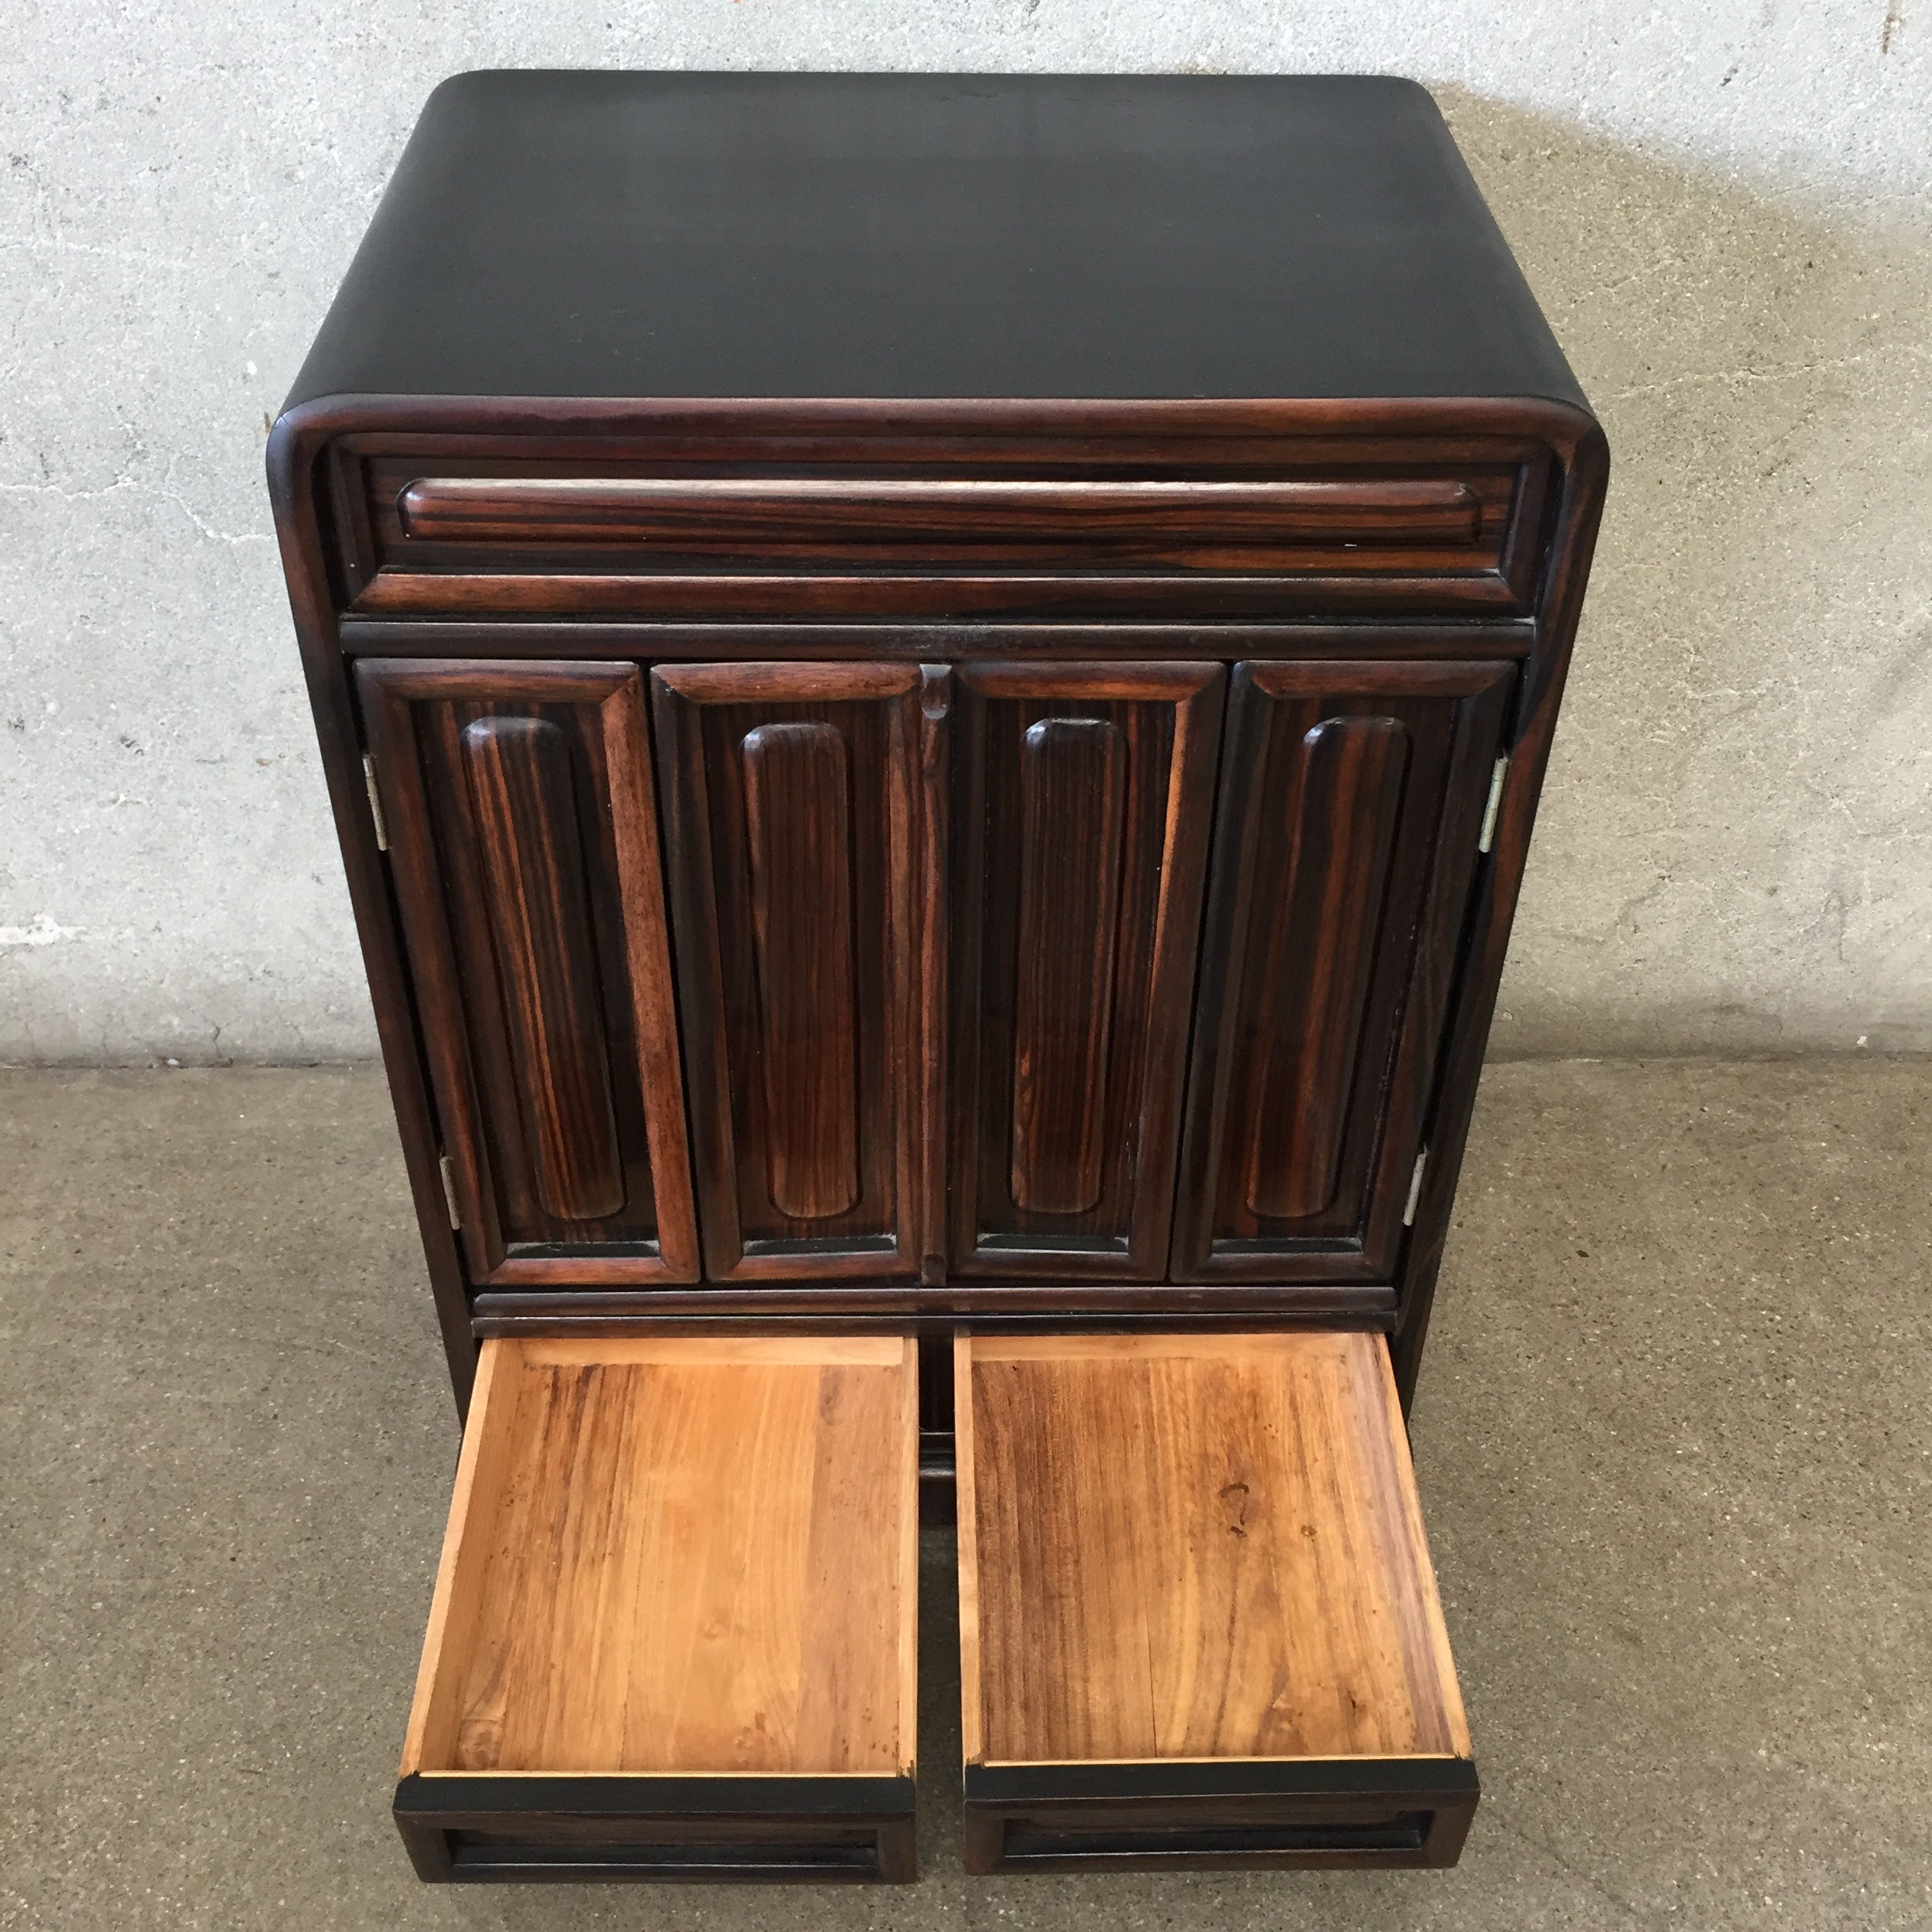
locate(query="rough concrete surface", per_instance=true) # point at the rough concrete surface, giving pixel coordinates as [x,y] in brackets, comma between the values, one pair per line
[1723,207]
[1674,1439]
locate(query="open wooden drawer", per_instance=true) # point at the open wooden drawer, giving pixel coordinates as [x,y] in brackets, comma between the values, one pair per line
[1198,1623]
[674,1629]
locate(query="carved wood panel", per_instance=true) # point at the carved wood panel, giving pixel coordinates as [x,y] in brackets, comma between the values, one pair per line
[791,805]
[1351,806]
[1080,801]
[519,805]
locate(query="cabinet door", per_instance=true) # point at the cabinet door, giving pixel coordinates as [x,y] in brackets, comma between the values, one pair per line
[519,806]
[1352,804]
[1081,803]
[791,803]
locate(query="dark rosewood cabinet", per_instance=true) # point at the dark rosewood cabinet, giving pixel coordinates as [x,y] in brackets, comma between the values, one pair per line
[934,691]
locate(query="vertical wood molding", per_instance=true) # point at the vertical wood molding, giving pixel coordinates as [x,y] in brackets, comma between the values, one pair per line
[1073,787]
[935,943]
[1346,800]
[532,864]
[797,792]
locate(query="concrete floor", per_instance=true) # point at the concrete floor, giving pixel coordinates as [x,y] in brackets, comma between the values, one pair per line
[1675,1438]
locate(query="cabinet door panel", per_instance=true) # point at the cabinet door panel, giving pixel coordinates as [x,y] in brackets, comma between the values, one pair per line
[1351,805]
[792,808]
[1081,796]
[519,803]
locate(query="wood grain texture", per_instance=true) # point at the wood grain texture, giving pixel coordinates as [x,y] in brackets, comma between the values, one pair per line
[1201,514]
[793,810]
[1193,1548]
[935,937]
[1420,584]
[320,452]
[588,1308]
[797,780]
[1345,846]
[523,840]
[680,1556]
[1080,801]
[532,863]
[1191,522]
[1345,808]
[939,643]
[1072,818]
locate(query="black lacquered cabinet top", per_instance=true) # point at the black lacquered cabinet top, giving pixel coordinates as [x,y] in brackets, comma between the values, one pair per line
[679,235]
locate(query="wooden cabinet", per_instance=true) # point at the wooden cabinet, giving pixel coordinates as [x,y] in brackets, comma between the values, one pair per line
[933,695]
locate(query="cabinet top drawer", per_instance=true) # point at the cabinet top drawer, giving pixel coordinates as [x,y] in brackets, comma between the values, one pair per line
[1150,521]
[906,527]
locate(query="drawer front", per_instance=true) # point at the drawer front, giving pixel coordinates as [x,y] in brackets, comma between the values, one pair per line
[675,1626]
[1318,1816]
[1259,527]
[683,1831]
[1198,1620]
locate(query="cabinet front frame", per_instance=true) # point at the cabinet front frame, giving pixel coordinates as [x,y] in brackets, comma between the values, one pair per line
[313,521]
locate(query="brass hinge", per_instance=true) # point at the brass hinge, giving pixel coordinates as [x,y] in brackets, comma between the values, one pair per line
[1494,805]
[1415,1189]
[449,1190]
[374,799]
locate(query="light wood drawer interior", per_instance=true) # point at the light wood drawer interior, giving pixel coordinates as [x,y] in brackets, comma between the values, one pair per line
[1199,1623]
[674,1628]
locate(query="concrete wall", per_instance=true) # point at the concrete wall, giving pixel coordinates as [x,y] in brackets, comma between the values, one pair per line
[1725,209]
